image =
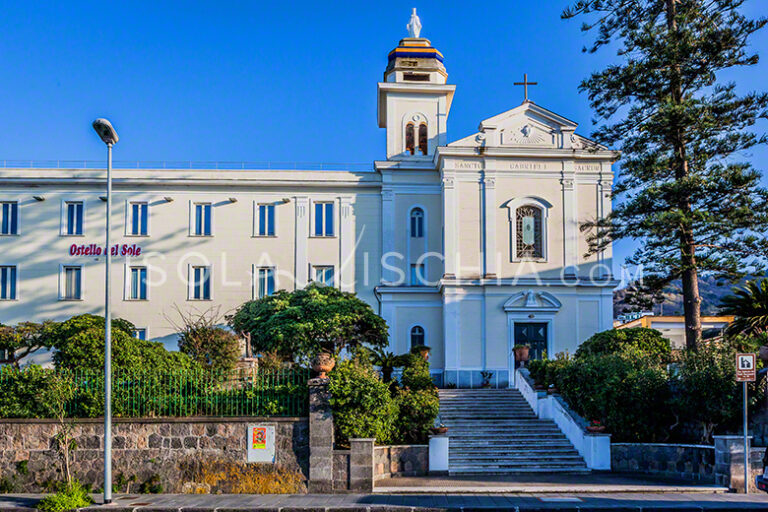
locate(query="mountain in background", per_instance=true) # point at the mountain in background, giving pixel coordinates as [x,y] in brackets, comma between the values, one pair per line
[711,295]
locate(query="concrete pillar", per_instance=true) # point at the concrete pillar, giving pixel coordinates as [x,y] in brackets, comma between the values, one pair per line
[489,222]
[301,272]
[320,437]
[729,461]
[361,465]
[346,246]
[449,226]
[388,276]
[570,223]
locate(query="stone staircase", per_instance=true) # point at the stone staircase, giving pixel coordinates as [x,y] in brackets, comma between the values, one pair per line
[495,431]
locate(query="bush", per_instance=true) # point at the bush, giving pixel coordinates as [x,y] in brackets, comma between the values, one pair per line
[415,374]
[71,497]
[706,389]
[79,344]
[639,340]
[362,404]
[418,410]
[212,347]
[629,395]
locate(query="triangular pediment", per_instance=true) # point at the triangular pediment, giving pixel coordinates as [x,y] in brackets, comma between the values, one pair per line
[527,126]
[532,301]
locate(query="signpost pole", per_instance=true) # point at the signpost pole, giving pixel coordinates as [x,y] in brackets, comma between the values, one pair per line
[746,371]
[746,442]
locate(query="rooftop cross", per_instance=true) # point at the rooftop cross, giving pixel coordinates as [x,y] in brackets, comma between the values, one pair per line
[525,83]
[414,26]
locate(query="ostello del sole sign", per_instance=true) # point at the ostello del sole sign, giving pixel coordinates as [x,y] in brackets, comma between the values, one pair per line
[98,250]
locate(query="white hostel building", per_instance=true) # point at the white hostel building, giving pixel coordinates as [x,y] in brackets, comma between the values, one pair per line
[470,246]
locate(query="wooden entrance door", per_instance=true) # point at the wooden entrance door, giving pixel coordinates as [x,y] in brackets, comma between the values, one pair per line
[533,334]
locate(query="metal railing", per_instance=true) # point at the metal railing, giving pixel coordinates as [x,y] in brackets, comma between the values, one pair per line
[47,393]
[186,164]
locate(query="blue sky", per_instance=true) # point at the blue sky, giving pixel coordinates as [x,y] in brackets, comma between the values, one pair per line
[279,82]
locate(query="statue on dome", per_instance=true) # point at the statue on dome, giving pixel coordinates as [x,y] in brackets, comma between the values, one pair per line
[414,26]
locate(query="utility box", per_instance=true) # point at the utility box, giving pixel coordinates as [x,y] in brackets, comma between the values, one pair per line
[261,443]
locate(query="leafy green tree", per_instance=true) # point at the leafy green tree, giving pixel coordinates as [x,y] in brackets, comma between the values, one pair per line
[750,307]
[695,208]
[19,341]
[303,323]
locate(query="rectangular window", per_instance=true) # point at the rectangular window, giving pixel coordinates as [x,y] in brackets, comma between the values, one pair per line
[323,219]
[265,282]
[202,219]
[139,219]
[140,334]
[9,218]
[8,282]
[201,283]
[138,283]
[72,283]
[266,220]
[417,274]
[74,221]
[324,275]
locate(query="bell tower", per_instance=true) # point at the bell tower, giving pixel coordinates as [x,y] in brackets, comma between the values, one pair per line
[414,99]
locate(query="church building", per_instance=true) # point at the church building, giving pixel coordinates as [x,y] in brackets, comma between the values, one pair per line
[470,246]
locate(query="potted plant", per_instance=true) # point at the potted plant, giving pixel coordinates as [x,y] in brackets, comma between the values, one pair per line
[323,363]
[595,427]
[439,428]
[552,389]
[486,379]
[421,350]
[521,352]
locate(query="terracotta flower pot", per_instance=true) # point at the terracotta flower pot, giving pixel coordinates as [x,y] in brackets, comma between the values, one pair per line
[323,363]
[438,430]
[763,353]
[596,429]
[521,354]
[552,391]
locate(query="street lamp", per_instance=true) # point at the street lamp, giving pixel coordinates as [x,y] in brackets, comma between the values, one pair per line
[109,136]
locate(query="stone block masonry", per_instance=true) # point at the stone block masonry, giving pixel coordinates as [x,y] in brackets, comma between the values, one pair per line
[142,449]
[686,462]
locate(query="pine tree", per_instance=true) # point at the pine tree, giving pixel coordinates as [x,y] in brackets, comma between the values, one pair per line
[694,208]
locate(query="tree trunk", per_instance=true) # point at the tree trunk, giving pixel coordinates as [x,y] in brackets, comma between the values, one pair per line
[690,275]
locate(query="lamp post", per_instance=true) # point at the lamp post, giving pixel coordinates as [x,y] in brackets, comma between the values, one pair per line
[109,136]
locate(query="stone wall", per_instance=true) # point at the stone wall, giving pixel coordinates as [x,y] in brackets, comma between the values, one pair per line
[406,460]
[341,470]
[142,448]
[687,462]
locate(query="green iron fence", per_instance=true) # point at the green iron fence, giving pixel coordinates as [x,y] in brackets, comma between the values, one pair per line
[37,392]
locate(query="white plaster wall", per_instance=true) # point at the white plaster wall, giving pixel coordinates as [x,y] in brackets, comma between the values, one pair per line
[232,251]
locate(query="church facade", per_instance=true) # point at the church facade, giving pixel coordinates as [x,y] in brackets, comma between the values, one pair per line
[469,247]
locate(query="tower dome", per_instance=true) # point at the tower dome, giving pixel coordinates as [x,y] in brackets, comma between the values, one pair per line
[415,59]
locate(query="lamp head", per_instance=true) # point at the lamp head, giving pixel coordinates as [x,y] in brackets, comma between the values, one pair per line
[105,130]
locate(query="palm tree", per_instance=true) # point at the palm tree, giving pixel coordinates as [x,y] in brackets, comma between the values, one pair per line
[750,307]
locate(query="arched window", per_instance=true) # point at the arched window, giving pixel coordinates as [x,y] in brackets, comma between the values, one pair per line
[417,223]
[423,144]
[529,239]
[417,336]
[410,138]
